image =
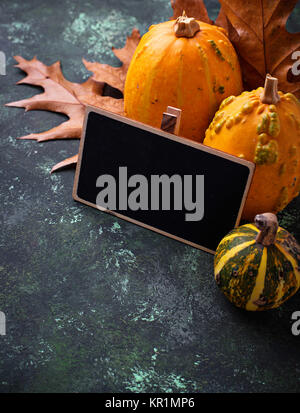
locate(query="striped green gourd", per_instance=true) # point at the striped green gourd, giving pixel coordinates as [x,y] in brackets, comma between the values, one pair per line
[257,266]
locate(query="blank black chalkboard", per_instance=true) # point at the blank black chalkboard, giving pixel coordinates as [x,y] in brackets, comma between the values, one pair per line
[110,142]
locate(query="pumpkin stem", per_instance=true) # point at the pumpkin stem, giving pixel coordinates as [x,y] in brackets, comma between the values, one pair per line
[186,26]
[268,226]
[270,93]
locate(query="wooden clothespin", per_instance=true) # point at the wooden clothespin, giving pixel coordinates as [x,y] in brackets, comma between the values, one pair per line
[171,120]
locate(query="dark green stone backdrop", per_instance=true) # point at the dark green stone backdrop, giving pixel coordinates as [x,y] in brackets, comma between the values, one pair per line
[95,304]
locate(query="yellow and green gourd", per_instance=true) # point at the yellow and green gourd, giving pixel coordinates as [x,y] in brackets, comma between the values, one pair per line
[257,265]
[262,126]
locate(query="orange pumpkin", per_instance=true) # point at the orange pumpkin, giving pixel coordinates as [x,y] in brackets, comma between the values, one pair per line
[187,64]
[262,126]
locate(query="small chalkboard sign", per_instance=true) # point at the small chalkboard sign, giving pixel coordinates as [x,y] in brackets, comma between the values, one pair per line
[153,178]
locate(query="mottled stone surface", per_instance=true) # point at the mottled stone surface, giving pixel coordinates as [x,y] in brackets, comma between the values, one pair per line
[95,304]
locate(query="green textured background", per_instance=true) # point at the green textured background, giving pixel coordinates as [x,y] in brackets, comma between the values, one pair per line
[95,304]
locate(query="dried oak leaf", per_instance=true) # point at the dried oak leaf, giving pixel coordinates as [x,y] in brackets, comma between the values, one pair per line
[257,28]
[115,76]
[193,8]
[69,98]
[72,161]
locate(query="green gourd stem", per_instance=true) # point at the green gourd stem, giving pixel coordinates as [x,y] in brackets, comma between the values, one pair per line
[268,226]
[270,93]
[186,26]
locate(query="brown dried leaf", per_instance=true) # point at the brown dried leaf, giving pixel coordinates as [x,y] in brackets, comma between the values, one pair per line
[193,8]
[65,164]
[257,28]
[58,96]
[61,96]
[222,20]
[115,76]
[69,98]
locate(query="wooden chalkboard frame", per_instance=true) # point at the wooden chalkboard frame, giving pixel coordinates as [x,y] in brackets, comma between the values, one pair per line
[167,135]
